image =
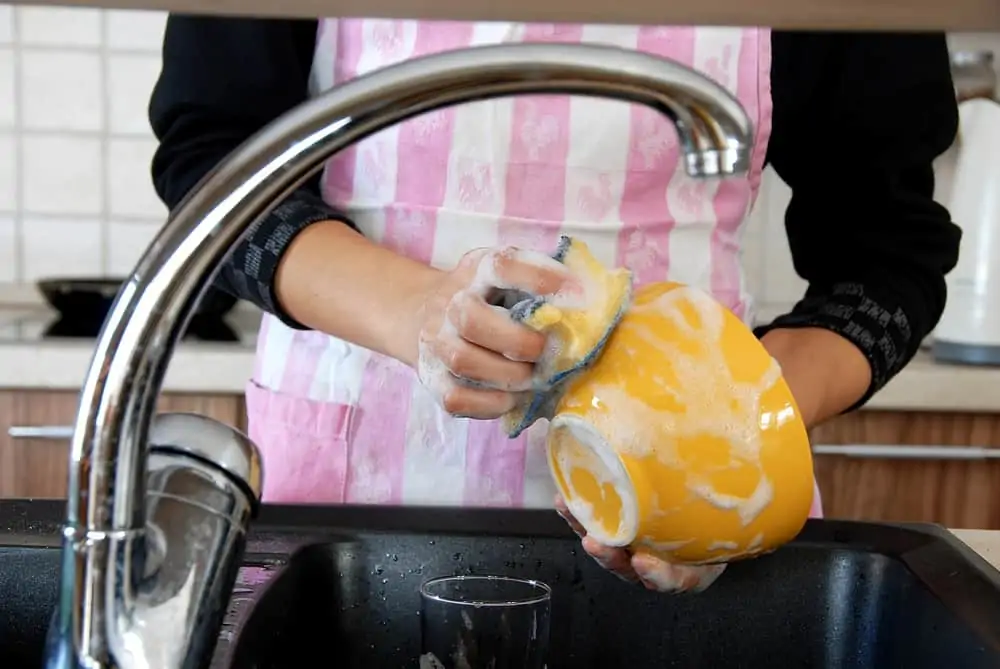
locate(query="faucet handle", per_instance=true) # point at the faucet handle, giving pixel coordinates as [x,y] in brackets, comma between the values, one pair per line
[211,441]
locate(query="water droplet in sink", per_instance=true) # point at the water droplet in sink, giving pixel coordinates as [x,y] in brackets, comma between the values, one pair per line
[384,581]
[456,557]
[378,570]
[395,558]
[432,542]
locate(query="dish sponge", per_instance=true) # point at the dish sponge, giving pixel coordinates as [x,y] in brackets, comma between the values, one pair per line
[576,331]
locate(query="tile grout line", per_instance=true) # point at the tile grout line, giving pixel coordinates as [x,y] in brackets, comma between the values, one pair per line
[19,161]
[75,132]
[62,216]
[99,48]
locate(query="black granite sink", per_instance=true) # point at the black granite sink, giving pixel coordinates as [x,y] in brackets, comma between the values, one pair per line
[844,595]
[28,578]
[341,584]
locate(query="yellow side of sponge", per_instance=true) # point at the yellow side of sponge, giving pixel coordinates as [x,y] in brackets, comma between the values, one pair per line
[577,327]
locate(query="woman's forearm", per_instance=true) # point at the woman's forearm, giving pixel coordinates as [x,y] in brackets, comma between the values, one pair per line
[826,373]
[334,280]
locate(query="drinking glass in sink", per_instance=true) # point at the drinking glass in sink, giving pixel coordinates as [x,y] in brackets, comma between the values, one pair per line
[484,622]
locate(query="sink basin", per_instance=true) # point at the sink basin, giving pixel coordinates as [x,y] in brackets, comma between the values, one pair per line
[342,584]
[28,581]
[843,595]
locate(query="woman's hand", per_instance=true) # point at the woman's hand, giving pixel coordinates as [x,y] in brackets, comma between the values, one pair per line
[651,572]
[472,355]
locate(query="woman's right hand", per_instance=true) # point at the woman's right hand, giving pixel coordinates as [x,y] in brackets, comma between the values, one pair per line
[472,355]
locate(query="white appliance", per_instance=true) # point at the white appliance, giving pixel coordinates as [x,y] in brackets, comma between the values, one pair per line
[969,331]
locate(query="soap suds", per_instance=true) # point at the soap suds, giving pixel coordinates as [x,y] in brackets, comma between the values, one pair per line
[433,371]
[594,456]
[667,577]
[723,546]
[489,277]
[662,546]
[430,661]
[702,377]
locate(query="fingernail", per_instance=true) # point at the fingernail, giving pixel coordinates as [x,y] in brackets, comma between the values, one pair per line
[572,523]
[600,558]
[644,563]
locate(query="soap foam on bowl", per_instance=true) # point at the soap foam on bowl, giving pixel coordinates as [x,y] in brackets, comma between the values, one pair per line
[682,438]
[593,481]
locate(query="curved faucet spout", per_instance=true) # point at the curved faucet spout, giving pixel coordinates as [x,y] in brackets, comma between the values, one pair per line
[108,473]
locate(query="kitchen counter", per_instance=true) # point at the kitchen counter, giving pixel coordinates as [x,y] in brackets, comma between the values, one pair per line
[29,361]
[985,542]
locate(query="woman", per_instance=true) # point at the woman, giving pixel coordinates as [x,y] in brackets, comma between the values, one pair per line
[367,272]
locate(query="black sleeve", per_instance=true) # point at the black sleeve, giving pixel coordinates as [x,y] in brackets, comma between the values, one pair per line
[858,121]
[223,79]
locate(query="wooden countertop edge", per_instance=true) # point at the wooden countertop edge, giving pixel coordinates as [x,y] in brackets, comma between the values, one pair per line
[978,15]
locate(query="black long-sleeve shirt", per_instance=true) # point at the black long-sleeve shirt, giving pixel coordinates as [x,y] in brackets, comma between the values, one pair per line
[858,119]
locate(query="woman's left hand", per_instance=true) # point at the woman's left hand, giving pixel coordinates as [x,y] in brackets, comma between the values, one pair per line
[653,573]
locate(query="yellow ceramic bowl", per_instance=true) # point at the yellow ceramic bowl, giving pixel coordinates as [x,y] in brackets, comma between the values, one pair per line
[683,440]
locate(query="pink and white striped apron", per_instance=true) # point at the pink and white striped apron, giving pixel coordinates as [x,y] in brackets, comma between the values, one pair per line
[338,423]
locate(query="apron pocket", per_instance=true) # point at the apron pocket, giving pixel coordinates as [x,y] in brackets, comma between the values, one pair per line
[816,511]
[303,444]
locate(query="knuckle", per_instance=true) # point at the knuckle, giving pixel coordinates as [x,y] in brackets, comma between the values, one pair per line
[456,359]
[527,347]
[471,259]
[453,402]
[503,260]
[460,313]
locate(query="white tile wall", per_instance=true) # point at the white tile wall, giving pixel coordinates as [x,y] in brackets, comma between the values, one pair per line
[9,266]
[75,146]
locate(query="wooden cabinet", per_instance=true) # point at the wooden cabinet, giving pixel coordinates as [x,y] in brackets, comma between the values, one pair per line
[955,492]
[938,486]
[37,467]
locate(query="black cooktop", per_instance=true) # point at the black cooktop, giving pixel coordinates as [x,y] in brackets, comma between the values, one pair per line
[200,329]
[39,326]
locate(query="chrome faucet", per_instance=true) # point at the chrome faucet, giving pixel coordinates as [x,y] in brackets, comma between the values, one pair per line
[159,507]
